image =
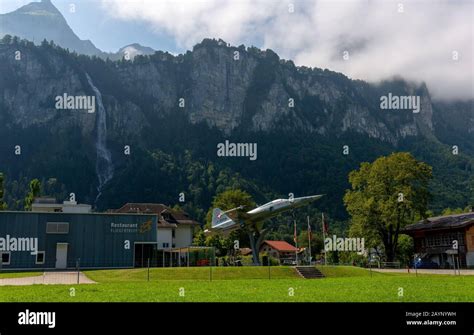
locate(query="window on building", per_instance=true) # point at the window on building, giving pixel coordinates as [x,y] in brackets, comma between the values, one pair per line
[173,233]
[57,228]
[63,228]
[40,257]
[5,257]
[166,245]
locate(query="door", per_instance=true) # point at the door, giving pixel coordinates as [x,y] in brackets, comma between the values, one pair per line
[145,252]
[61,255]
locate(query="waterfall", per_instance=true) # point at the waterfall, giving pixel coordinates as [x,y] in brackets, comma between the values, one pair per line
[104,167]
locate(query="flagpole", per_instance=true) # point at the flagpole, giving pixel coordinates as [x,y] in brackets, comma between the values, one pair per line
[296,244]
[309,240]
[324,238]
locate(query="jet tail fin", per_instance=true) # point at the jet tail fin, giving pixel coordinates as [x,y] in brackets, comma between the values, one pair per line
[220,220]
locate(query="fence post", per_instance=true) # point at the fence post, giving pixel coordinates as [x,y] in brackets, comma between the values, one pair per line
[148,269]
[414,264]
[454,265]
[210,267]
[171,258]
[78,269]
[269,271]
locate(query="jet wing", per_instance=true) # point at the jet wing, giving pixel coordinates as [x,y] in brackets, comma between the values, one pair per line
[238,215]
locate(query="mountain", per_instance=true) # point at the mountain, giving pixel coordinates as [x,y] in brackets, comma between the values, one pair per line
[135,49]
[173,111]
[37,21]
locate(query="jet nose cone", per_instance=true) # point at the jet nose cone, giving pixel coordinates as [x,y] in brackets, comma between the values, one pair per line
[318,196]
[312,197]
[304,200]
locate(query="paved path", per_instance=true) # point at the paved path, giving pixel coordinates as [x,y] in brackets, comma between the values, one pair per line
[48,278]
[428,271]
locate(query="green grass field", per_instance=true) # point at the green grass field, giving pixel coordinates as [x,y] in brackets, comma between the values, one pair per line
[249,284]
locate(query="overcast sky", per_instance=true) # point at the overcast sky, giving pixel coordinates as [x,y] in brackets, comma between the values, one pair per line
[380,38]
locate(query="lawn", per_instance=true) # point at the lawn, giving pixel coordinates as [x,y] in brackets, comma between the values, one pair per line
[342,284]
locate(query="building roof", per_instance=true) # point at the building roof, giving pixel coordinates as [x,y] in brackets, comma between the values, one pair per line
[164,224]
[45,200]
[280,245]
[454,221]
[49,204]
[132,207]
[245,251]
[168,218]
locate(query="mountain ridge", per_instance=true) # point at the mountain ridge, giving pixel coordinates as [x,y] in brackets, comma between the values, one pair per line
[42,20]
[211,66]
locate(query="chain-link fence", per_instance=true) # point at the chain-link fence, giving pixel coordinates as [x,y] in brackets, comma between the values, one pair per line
[197,268]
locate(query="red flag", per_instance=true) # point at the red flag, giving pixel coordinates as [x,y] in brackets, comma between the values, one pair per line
[294,237]
[325,225]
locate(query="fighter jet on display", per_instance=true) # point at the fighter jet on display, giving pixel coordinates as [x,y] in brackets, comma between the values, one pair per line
[226,221]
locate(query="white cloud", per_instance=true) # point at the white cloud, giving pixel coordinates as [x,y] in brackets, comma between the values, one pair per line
[416,44]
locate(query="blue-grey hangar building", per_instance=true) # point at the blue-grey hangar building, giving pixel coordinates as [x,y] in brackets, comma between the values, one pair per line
[70,235]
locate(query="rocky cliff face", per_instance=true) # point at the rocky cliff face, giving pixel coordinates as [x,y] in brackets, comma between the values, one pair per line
[29,87]
[225,87]
[234,89]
